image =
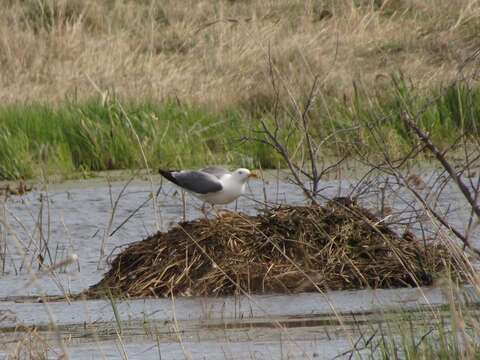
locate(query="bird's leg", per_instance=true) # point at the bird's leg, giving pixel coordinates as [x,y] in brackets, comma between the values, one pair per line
[204,210]
[217,212]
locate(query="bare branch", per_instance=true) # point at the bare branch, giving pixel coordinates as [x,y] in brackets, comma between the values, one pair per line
[441,158]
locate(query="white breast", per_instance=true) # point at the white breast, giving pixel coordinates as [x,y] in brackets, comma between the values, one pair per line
[232,189]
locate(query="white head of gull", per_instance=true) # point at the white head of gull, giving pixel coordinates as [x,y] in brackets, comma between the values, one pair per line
[212,184]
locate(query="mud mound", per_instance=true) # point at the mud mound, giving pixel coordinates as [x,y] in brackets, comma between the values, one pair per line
[285,250]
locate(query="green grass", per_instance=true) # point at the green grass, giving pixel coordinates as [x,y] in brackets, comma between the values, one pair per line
[95,135]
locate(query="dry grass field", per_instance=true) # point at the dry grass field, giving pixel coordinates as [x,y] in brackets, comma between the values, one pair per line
[215,52]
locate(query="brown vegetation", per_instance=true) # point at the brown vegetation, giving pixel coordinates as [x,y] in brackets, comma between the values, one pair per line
[285,250]
[215,52]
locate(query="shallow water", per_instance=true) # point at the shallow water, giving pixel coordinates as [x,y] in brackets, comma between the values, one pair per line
[75,219]
[265,325]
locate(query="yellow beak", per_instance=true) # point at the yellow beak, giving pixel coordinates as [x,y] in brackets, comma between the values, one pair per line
[253,175]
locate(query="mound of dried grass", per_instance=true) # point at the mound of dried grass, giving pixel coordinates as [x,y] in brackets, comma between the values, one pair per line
[285,250]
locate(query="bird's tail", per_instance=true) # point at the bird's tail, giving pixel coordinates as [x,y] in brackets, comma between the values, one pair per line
[167,174]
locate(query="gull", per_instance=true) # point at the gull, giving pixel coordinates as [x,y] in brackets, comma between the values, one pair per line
[213,185]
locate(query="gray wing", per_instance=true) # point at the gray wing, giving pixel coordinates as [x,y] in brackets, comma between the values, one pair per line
[197,181]
[216,171]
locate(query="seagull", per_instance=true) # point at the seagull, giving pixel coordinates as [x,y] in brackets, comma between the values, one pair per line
[213,184]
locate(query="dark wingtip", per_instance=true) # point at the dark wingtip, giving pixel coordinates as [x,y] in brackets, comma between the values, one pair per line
[167,174]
